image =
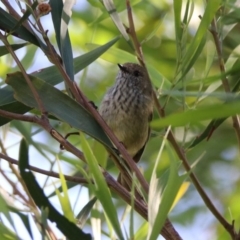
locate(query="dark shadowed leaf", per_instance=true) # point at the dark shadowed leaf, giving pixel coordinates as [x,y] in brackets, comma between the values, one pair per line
[69,229]
[58,104]
[8,22]
[62,37]
[83,215]
[4,51]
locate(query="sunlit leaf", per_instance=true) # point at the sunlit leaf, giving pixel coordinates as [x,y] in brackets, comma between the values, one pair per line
[197,115]
[109,5]
[100,187]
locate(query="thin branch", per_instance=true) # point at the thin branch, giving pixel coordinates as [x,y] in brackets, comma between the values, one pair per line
[45,172]
[29,82]
[14,13]
[14,186]
[225,83]
[58,62]
[46,125]
[198,186]
[131,31]
[168,227]
[19,178]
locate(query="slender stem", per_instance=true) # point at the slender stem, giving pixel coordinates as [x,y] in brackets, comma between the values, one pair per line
[225,83]
[14,13]
[168,227]
[30,201]
[197,184]
[45,124]
[29,82]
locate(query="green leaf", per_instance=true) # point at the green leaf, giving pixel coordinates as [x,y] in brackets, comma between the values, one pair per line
[100,187]
[83,215]
[58,104]
[50,75]
[25,16]
[231,17]
[25,220]
[154,31]
[190,63]
[198,41]
[60,21]
[69,184]
[64,200]
[109,5]
[197,115]
[212,126]
[142,231]
[159,213]
[177,6]
[121,6]
[15,107]
[7,234]
[57,7]
[8,22]
[4,51]
[69,229]
[25,130]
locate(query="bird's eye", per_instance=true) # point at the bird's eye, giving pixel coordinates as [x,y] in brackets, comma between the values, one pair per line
[136,73]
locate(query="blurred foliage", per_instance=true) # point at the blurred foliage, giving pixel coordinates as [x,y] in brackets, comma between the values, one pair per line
[215,161]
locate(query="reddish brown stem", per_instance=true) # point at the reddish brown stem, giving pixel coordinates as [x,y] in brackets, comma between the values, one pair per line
[225,83]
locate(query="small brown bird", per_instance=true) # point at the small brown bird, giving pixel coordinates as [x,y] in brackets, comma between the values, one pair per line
[127,108]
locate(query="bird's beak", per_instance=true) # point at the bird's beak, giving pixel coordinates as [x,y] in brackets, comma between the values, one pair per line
[122,68]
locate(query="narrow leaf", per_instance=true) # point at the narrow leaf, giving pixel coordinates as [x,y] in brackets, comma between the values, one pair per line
[197,115]
[100,187]
[197,43]
[4,51]
[168,196]
[70,230]
[64,199]
[58,104]
[83,215]
[8,22]
[4,231]
[60,21]
[25,16]
[109,5]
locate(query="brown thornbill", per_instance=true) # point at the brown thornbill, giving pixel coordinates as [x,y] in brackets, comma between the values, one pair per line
[127,109]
